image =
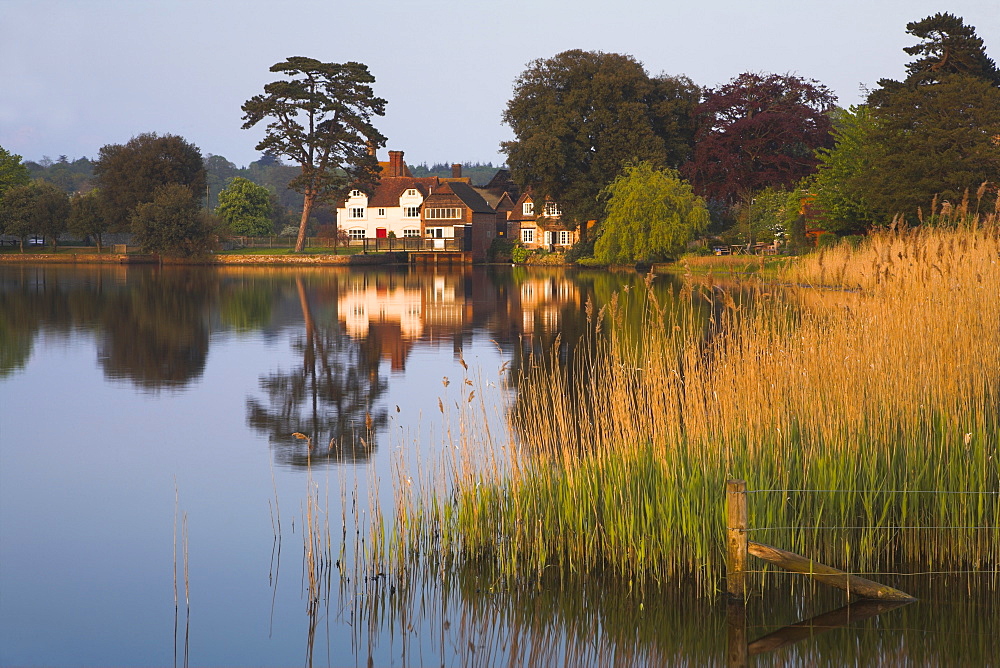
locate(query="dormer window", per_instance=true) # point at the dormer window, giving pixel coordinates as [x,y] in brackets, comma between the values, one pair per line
[412,192]
[528,208]
[356,193]
[552,209]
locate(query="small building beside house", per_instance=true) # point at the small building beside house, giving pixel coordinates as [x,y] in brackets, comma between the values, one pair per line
[456,217]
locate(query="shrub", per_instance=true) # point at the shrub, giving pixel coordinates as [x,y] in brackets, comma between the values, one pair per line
[827,240]
[500,250]
[519,254]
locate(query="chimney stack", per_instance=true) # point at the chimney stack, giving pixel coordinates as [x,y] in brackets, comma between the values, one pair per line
[456,171]
[396,167]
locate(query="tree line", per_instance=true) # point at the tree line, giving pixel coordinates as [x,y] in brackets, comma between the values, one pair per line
[749,160]
[754,158]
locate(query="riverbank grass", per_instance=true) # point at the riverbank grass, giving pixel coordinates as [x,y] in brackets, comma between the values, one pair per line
[880,400]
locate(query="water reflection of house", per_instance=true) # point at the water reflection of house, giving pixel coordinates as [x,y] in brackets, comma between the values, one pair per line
[384,310]
[394,311]
[542,300]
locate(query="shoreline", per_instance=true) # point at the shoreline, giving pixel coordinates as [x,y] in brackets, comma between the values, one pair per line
[210,260]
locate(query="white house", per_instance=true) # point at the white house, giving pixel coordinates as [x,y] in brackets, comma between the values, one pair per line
[393,209]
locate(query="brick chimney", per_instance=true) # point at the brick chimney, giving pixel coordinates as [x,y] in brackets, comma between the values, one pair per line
[396,167]
[456,171]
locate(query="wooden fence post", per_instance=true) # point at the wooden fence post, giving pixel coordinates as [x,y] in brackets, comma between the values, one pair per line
[736,537]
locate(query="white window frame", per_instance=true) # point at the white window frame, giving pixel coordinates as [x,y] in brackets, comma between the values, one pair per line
[443,213]
[380,212]
[553,210]
[356,233]
[528,208]
[412,192]
[411,232]
[411,211]
[528,235]
[357,193]
[356,213]
[564,238]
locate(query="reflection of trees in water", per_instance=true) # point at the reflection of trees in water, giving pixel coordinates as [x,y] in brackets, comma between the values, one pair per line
[330,397]
[155,334]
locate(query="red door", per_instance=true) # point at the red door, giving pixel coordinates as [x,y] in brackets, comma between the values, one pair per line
[380,233]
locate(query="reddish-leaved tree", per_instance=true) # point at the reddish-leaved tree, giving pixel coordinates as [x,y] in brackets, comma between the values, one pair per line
[756,131]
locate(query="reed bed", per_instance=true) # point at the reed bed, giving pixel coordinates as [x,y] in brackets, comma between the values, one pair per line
[883,398]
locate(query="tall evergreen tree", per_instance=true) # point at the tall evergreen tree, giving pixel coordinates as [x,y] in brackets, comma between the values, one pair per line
[321,118]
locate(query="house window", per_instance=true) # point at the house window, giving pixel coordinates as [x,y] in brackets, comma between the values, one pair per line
[435,232]
[355,193]
[552,209]
[411,212]
[412,192]
[528,235]
[381,213]
[439,214]
[528,209]
[564,237]
[410,233]
[356,233]
[356,212]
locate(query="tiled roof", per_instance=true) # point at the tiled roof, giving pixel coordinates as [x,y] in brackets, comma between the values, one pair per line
[471,198]
[390,188]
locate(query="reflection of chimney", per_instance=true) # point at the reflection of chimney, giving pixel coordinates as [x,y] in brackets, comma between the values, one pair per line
[456,171]
[396,163]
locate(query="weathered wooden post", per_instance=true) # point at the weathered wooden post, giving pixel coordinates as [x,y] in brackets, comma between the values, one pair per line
[736,538]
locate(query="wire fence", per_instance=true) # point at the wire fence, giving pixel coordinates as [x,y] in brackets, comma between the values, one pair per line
[979,554]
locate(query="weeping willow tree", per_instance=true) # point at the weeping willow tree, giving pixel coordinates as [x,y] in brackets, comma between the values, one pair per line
[651,214]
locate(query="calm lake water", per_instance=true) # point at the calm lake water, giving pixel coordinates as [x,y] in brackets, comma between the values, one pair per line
[146,448]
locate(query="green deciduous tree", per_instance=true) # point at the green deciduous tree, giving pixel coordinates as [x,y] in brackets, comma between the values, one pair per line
[87,217]
[839,182]
[650,214]
[51,212]
[129,174]
[580,116]
[246,208]
[172,223]
[321,118]
[17,213]
[12,171]
[36,208]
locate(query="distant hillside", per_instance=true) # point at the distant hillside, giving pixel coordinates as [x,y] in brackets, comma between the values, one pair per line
[480,173]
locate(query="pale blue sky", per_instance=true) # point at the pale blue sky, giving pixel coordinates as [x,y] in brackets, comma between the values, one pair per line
[78,74]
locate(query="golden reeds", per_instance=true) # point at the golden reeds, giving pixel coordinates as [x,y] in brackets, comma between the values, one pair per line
[878,393]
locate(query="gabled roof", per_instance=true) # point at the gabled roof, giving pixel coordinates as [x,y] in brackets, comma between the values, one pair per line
[517,213]
[470,197]
[503,183]
[390,189]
